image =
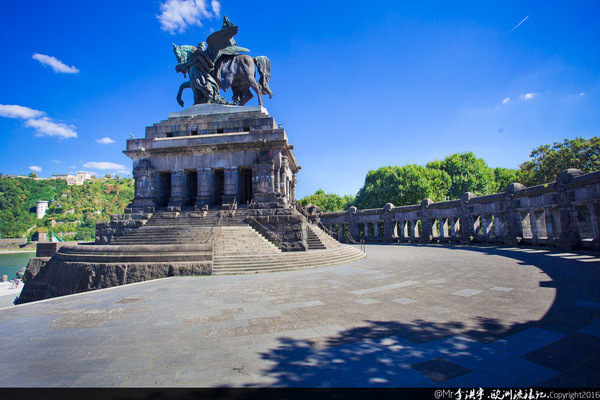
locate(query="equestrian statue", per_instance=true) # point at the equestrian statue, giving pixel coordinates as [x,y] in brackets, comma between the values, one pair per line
[217,64]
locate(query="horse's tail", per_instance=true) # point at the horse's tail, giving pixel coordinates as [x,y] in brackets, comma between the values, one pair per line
[264,70]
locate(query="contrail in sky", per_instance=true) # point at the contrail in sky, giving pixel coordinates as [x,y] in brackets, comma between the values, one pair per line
[517,25]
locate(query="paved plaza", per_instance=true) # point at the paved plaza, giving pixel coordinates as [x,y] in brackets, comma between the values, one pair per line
[407,315]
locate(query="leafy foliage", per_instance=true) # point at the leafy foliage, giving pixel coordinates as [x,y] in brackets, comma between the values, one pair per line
[74,209]
[328,201]
[402,185]
[504,177]
[439,180]
[468,174]
[548,161]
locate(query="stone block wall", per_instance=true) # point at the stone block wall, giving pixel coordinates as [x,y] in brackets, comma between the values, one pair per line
[118,225]
[280,224]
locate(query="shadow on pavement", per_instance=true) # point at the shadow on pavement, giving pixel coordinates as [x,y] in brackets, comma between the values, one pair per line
[548,352]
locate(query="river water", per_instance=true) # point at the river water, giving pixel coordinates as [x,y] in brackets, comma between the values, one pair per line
[11,263]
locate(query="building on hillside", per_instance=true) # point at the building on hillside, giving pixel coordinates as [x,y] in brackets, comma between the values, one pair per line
[41,208]
[78,179]
[84,176]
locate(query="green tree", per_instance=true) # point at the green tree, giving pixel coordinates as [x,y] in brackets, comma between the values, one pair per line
[467,173]
[328,201]
[32,175]
[549,160]
[402,186]
[504,177]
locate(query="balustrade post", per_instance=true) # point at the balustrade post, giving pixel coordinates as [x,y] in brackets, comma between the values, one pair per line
[594,220]
[453,222]
[549,224]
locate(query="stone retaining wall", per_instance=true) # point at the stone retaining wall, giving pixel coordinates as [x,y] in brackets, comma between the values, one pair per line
[563,214]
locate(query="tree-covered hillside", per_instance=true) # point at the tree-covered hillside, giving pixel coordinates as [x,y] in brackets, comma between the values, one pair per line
[73,210]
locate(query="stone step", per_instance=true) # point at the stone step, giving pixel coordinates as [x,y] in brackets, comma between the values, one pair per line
[133,258]
[320,253]
[241,262]
[315,263]
[220,270]
[245,261]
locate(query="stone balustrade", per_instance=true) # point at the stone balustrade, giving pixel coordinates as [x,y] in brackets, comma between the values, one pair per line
[563,214]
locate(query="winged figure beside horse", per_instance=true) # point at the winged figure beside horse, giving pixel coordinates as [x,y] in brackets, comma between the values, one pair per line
[217,64]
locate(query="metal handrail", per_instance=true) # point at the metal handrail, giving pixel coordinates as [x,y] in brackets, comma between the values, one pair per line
[363,248]
[215,230]
[277,237]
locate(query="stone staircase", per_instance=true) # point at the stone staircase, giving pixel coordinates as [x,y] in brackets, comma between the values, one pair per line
[244,260]
[237,249]
[242,240]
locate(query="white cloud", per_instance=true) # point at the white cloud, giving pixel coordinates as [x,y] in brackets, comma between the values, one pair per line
[216,6]
[506,100]
[56,161]
[528,96]
[35,168]
[54,63]
[14,111]
[177,15]
[123,172]
[105,140]
[103,165]
[582,94]
[43,125]
[47,127]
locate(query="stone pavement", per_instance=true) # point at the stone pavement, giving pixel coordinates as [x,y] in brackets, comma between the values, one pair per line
[407,315]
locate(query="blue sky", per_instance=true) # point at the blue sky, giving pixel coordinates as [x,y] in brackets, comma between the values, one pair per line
[358,85]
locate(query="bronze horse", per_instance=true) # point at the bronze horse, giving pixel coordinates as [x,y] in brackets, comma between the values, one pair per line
[230,71]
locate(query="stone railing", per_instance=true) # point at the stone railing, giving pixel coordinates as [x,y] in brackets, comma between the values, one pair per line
[563,214]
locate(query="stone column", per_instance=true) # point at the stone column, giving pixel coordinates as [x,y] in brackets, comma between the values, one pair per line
[204,187]
[549,223]
[444,227]
[594,221]
[331,233]
[534,226]
[353,230]
[405,232]
[452,222]
[282,182]
[499,228]
[514,227]
[177,188]
[294,182]
[276,177]
[231,185]
[376,229]
[476,225]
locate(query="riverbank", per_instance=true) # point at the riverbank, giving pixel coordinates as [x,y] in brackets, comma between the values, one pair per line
[17,251]
[17,248]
